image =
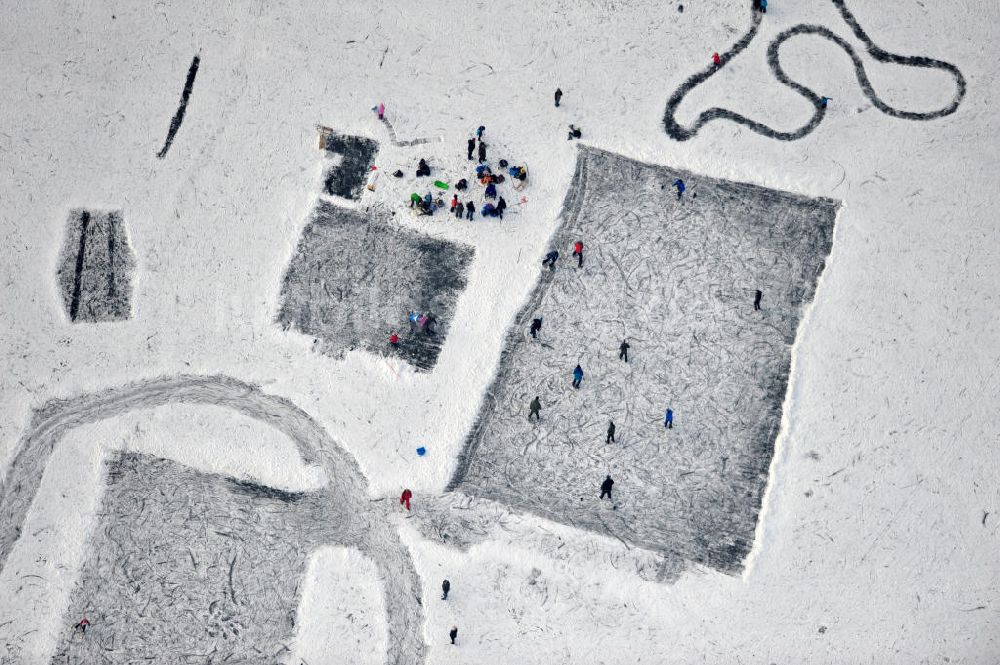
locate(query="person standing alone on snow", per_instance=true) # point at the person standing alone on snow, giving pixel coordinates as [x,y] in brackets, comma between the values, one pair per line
[578,252]
[535,409]
[453,633]
[611,432]
[536,325]
[558,96]
[381,111]
[668,419]
[623,350]
[472,146]
[404,498]
[577,376]
[606,487]
[756,299]
[679,184]
[445,588]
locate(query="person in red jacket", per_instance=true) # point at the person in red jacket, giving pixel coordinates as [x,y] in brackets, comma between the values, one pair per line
[81,626]
[578,252]
[394,340]
[404,498]
[716,60]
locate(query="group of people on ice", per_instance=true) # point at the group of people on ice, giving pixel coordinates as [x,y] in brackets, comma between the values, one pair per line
[494,203]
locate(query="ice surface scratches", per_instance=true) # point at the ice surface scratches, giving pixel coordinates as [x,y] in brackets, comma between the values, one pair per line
[677,279]
[347,179]
[341,513]
[354,278]
[95,267]
[680,133]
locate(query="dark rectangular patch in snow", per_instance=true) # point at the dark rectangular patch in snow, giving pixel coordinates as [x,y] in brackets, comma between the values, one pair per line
[95,267]
[354,279]
[186,562]
[677,279]
[347,179]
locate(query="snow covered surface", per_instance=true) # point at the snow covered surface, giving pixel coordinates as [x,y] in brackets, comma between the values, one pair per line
[879,531]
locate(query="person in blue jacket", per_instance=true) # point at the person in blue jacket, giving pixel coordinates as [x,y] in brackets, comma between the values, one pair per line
[668,419]
[491,191]
[577,376]
[679,184]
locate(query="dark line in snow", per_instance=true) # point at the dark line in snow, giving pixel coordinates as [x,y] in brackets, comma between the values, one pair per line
[74,307]
[680,133]
[175,124]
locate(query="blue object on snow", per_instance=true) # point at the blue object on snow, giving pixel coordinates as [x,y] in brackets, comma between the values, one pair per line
[421,451]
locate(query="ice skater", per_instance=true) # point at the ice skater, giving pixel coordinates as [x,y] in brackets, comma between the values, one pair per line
[550,260]
[404,498]
[756,299]
[606,487]
[535,409]
[611,432]
[623,350]
[453,633]
[578,252]
[577,376]
[679,184]
[668,419]
[445,588]
[536,326]
[558,97]
[472,146]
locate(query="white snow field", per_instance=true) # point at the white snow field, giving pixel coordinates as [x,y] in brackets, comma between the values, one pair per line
[175,438]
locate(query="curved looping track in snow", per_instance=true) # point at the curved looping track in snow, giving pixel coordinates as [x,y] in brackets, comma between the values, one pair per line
[347,487]
[680,133]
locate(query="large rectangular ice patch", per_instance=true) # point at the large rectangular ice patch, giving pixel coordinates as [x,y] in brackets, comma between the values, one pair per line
[676,278]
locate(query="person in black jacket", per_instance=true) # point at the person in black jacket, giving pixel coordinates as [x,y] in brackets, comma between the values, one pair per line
[623,350]
[606,487]
[558,96]
[536,325]
[472,146]
[611,432]
[501,206]
[482,151]
[445,587]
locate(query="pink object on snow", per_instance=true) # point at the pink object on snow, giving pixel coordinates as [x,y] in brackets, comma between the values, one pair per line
[381,110]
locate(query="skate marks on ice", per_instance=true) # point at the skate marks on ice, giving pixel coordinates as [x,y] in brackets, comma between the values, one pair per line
[95,267]
[677,279]
[175,122]
[461,521]
[347,179]
[230,527]
[679,132]
[354,278]
[229,558]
